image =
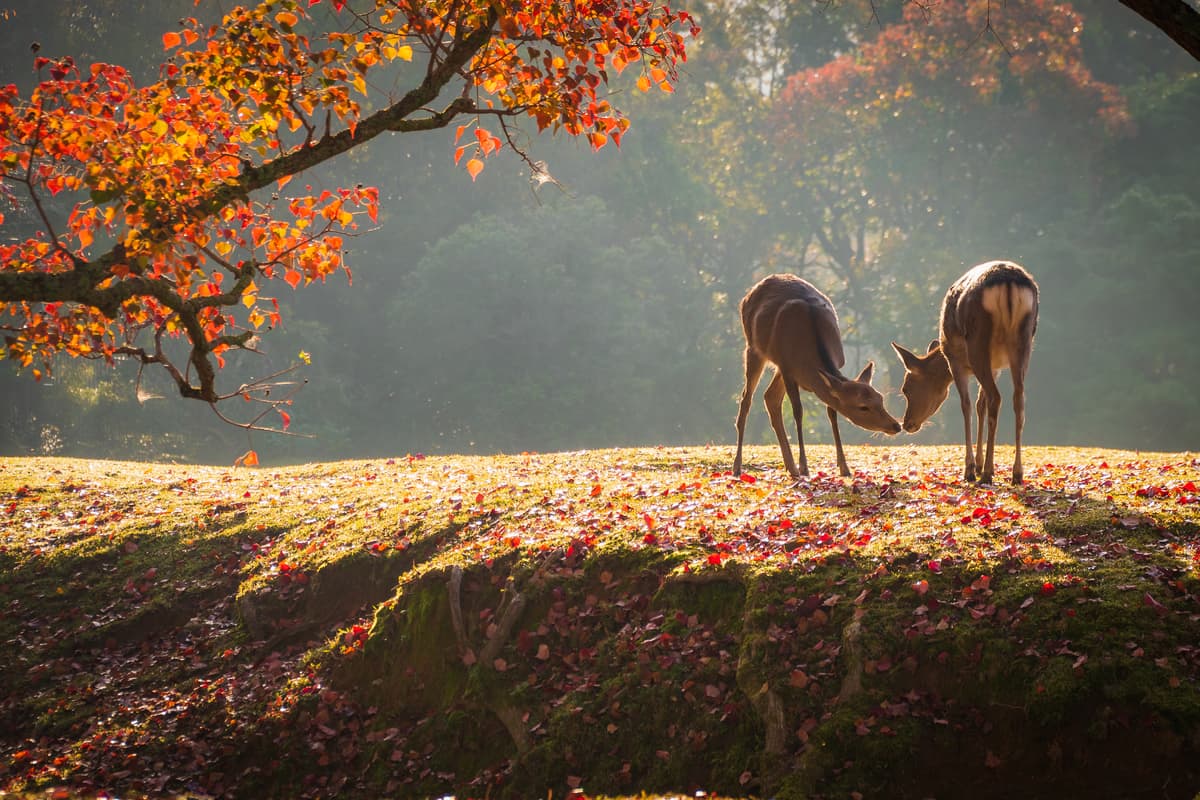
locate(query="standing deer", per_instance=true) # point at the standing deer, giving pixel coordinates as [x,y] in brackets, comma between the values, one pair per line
[989,318]
[791,324]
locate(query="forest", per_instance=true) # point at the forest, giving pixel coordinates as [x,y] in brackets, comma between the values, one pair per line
[877,150]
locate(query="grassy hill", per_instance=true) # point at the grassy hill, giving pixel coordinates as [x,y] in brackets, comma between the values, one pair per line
[615,621]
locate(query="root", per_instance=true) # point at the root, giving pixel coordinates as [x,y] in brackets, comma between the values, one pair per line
[763,699]
[852,648]
[454,586]
[512,720]
[508,620]
[513,607]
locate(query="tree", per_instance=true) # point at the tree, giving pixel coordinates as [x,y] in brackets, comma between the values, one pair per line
[155,215]
[553,328]
[938,116]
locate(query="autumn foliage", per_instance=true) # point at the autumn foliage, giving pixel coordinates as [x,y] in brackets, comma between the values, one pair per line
[155,222]
[966,55]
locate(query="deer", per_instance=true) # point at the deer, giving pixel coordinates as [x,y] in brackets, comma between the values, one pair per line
[989,318]
[789,323]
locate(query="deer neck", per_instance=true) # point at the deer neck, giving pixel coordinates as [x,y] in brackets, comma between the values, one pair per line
[939,375]
[822,391]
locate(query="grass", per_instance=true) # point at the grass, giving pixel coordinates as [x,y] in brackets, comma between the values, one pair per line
[618,621]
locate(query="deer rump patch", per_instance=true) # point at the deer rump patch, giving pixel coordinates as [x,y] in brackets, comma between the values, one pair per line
[1008,305]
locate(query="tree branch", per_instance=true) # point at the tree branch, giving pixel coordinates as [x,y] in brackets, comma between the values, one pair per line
[1175,18]
[84,284]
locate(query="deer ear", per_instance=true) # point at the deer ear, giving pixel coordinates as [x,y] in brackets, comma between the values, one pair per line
[826,381]
[867,373]
[910,359]
[933,346]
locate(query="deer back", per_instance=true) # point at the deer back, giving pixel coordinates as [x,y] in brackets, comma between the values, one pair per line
[998,300]
[793,325]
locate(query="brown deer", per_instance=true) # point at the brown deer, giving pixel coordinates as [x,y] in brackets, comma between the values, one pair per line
[791,324]
[989,318]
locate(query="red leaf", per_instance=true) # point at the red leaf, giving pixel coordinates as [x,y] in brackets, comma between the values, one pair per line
[1148,599]
[287,419]
[747,478]
[1048,588]
[596,490]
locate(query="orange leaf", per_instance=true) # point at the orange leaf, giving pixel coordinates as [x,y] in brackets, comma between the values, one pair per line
[643,83]
[293,277]
[171,39]
[247,459]
[459,132]
[287,419]
[474,167]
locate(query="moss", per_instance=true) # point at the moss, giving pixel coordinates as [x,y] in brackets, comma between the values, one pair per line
[857,647]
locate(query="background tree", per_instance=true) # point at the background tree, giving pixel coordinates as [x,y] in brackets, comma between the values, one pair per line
[907,141]
[171,234]
[563,338]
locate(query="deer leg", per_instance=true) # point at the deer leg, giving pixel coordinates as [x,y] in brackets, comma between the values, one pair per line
[1019,363]
[754,364]
[773,399]
[793,393]
[980,415]
[1018,474]
[962,377]
[837,442]
[987,388]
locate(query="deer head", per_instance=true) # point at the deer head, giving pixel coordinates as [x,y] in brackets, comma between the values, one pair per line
[858,401]
[926,384]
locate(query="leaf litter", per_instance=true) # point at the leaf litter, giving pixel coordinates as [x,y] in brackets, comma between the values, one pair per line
[183,629]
